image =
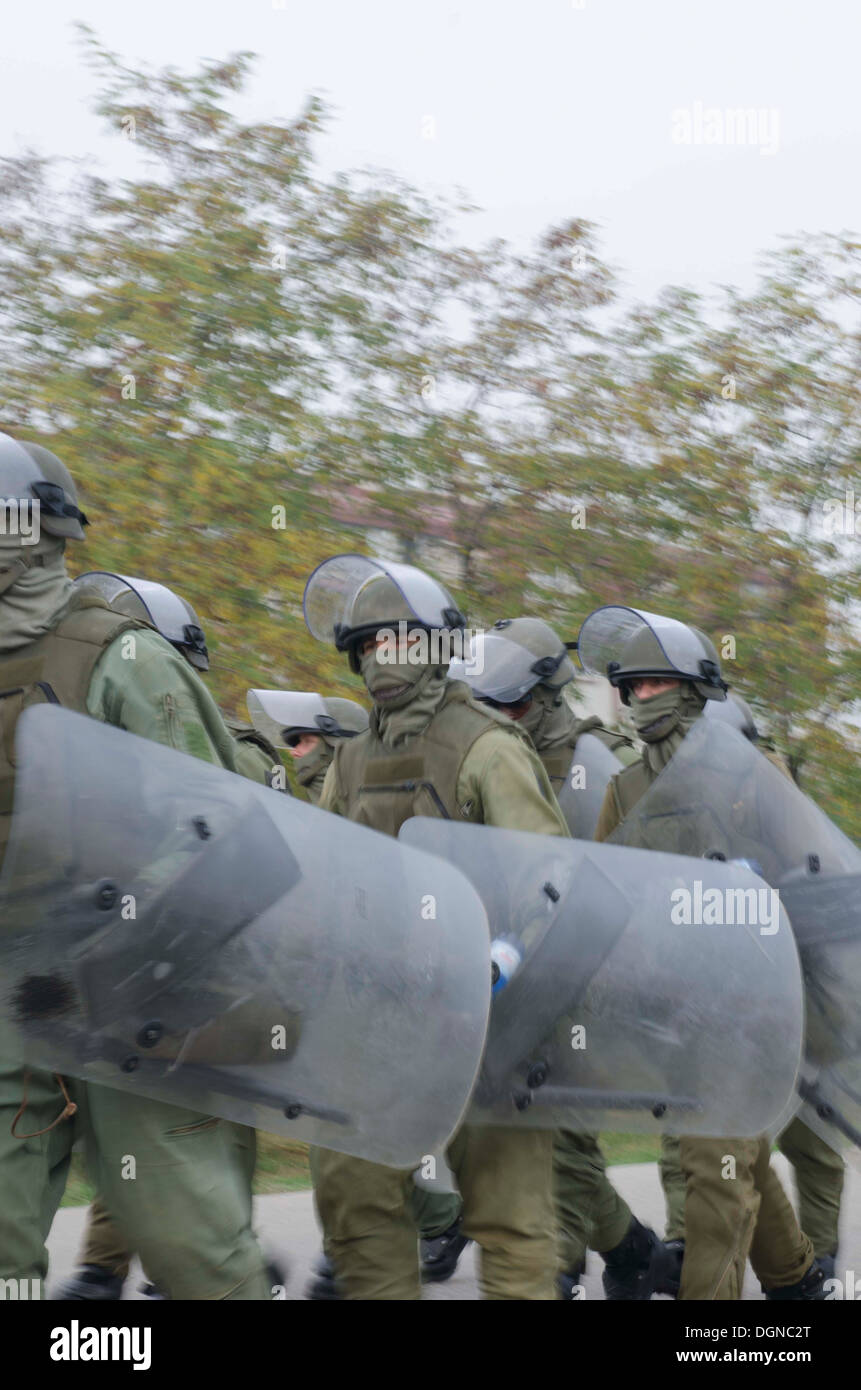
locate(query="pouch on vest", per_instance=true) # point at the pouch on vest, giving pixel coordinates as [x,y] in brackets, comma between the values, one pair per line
[170,928]
[624,1015]
[720,795]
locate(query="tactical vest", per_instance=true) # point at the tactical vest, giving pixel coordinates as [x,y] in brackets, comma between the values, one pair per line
[629,785]
[382,789]
[57,669]
[558,758]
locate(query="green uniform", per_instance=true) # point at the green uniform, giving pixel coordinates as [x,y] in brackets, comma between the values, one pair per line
[734,1206]
[476,766]
[589,1210]
[819,1171]
[187,1210]
[104,1245]
[432,1212]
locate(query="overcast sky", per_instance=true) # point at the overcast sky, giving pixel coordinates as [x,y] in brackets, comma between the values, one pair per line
[539,109]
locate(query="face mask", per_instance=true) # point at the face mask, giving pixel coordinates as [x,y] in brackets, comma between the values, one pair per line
[33,597]
[547,717]
[390,683]
[658,716]
[312,767]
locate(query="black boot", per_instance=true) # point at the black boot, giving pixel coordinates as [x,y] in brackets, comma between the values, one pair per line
[323,1286]
[668,1267]
[90,1283]
[440,1255]
[809,1289]
[569,1280]
[629,1269]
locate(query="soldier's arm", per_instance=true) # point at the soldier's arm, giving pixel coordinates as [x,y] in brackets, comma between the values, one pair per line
[608,816]
[256,758]
[147,688]
[329,798]
[504,783]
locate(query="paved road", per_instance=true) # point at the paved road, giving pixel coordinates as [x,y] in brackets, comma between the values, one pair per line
[288,1228]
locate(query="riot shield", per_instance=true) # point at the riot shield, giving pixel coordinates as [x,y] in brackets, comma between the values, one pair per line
[582,793]
[625,1013]
[719,796]
[171,928]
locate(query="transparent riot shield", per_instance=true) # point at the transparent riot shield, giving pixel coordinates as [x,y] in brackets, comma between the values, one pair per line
[582,793]
[171,928]
[627,1011]
[720,797]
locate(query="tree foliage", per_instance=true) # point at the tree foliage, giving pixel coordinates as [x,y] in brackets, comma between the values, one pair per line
[249,366]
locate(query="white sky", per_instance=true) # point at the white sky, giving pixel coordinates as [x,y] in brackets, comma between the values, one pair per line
[543,110]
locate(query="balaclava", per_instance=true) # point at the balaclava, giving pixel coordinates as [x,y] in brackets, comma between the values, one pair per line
[548,718]
[406,694]
[35,590]
[663,720]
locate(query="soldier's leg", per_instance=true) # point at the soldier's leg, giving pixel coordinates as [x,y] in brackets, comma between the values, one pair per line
[32,1171]
[505,1176]
[819,1174]
[589,1210]
[673,1183]
[721,1206]
[179,1186]
[780,1252]
[103,1245]
[370,1235]
[433,1213]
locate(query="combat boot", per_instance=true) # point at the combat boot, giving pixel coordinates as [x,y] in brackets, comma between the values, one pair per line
[323,1285]
[441,1254]
[809,1289]
[668,1267]
[630,1267]
[90,1283]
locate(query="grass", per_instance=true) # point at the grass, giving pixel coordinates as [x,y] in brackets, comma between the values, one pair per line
[282,1164]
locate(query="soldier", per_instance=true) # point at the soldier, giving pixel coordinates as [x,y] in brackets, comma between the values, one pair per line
[310,726]
[188,1212]
[430,750]
[524,670]
[667,672]
[105,1257]
[819,1169]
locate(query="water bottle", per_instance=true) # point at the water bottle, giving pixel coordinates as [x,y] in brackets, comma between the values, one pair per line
[506,958]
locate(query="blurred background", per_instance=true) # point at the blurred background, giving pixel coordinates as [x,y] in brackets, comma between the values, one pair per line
[559,301]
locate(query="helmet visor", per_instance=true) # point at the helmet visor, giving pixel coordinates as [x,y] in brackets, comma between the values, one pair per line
[335,585]
[606,633]
[495,668]
[278,713]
